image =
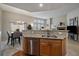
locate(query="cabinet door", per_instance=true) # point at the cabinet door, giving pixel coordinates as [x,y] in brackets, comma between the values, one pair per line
[25,45]
[36,47]
[55,48]
[44,48]
[33,47]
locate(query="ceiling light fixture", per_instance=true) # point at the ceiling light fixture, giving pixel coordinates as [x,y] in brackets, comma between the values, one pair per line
[41,5]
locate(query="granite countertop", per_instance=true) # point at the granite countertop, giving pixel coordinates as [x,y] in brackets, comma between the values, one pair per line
[50,37]
[47,37]
[53,35]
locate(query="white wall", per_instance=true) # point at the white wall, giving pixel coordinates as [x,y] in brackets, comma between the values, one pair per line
[56,15]
[15,10]
[7,17]
[56,20]
[72,14]
[47,14]
[0,24]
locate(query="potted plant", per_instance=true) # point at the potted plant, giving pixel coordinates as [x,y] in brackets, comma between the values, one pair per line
[29,27]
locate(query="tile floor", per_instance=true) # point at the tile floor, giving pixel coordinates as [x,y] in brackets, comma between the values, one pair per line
[8,50]
[73,48]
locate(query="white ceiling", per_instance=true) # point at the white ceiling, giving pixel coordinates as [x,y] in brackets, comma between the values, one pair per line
[34,7]
[56,13]
[48,9]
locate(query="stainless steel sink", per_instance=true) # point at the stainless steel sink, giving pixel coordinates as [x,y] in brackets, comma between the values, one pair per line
[53,36]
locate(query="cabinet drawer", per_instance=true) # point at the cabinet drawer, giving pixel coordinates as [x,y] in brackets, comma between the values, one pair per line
[55,41]
[44,41]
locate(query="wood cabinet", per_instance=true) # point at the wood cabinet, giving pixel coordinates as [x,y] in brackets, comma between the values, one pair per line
[55,47]
[52,47]
[34,50]
[45,46]
[25,46]
[35,47]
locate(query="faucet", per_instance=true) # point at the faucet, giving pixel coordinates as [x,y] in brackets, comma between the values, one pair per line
[48,33]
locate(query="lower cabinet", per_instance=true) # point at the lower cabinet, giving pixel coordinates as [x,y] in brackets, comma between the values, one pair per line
[31,46]
[25,45]
[55,48]
[44,48]
[51,48]
[35,47]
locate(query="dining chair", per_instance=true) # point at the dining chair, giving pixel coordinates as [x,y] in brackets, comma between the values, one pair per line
[9,37]
[17,35]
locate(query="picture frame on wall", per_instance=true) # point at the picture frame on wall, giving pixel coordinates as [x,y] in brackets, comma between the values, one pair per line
[71,22]
[75,21]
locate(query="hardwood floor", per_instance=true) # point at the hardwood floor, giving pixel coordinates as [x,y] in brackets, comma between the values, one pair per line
[19,53]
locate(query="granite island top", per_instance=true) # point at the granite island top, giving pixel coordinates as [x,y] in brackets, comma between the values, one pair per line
[45,37]
[40,35]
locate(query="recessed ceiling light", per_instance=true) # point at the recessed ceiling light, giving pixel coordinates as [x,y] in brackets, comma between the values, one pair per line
[41,5]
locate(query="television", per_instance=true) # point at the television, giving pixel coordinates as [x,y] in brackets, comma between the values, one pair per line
[72,29]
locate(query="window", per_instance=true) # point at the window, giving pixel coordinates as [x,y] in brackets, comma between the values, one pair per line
[17,25]
[38,23]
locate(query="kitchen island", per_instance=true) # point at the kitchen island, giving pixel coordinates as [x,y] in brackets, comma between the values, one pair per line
[44,46]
